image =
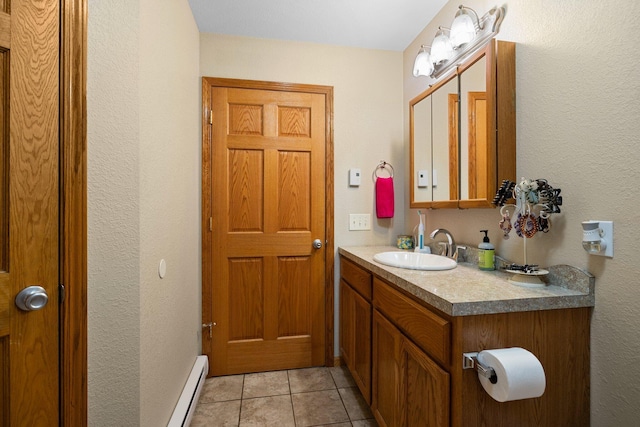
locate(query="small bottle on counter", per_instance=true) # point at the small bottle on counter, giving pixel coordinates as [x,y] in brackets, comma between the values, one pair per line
[486,253]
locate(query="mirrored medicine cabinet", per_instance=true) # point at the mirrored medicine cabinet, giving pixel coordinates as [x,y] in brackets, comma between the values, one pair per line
[463,132]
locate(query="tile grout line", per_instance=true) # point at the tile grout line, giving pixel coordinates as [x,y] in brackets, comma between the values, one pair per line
[241,399]
[293,410]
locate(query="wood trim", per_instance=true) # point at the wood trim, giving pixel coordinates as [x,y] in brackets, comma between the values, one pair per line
[506,113]
[327,91]
[454,156]
[73,212]
[206,250]
[329,209]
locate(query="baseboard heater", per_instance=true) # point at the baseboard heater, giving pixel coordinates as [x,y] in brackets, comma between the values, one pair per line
[186,406]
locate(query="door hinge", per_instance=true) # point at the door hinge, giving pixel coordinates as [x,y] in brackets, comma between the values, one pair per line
[210,326]
[61,293]
[210,223]
[210,117]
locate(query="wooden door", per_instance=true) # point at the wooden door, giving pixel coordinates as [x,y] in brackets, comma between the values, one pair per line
[29,57]
[267,280]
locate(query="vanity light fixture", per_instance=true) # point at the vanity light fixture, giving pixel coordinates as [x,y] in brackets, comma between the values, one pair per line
[423,65]
[441,48]
[464,27]
[449,48]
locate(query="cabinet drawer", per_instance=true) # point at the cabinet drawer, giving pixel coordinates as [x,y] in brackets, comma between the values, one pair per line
[359,279]
[429,331]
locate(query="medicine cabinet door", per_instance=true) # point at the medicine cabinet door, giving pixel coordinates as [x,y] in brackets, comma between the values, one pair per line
[421,161]
[434,146]
[487,125]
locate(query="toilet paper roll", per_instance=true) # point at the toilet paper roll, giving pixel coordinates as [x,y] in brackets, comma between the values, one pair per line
[520,374]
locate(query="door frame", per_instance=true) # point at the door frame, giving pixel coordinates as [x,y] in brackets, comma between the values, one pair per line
[207,273]
[73,212]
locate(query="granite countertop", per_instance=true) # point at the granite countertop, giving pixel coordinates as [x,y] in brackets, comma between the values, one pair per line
[466,290]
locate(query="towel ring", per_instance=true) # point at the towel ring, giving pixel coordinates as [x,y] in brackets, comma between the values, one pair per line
[383,165]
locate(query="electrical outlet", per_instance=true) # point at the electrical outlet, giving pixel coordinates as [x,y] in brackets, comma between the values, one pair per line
[359,222]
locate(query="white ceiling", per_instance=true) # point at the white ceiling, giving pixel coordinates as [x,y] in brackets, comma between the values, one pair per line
[374,24]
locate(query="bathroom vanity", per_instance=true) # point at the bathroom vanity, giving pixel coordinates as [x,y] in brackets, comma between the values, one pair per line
[403,334]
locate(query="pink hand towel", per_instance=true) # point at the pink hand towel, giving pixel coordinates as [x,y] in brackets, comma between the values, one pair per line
[384,197]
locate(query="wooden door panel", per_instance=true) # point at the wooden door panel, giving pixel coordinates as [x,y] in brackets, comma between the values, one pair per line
[4,152]
[246,190]
[267,207]
[387,341]
[245,119]
[424,389]
[246,294]
[347,323]
[294,210]
[294,121]
[29,223]
[244,356]
[362,312]
[294,297]
[478,163]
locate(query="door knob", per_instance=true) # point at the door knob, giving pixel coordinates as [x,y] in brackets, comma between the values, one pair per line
[317,244]
[32,298]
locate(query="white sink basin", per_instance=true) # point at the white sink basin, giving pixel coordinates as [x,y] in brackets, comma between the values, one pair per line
[415,260]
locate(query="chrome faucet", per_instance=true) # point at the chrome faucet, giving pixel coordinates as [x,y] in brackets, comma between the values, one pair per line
[450,249]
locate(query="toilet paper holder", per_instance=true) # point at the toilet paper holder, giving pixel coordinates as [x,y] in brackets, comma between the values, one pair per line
[470,361]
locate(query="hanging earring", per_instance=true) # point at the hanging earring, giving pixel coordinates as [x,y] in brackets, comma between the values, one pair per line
[505,223]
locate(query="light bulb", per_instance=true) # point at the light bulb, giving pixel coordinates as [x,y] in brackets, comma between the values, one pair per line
[463,28]
[423,66]
[441,48]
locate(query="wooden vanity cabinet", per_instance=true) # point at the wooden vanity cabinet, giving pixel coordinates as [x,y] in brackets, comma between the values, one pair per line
[355,324]
[409,387]
[406,358]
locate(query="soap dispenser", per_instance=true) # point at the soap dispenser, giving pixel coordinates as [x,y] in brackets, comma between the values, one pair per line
[486,253]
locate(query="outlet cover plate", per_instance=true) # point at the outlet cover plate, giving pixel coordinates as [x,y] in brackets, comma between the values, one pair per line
[359,222]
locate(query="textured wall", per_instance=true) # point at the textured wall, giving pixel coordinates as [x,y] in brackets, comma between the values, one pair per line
[578,106]
[113,134]
[169,108]
[143,205]
[367,109]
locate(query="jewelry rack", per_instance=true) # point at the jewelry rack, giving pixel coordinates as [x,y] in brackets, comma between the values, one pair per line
[535,202]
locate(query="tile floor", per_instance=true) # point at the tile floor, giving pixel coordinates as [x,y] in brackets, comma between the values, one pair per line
[298,397]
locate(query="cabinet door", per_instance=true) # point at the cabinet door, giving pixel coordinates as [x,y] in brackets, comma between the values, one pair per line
[362,345]
[347,325]
[434,146]
[355,337]
[487,123]
[387,341]
[424,389]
